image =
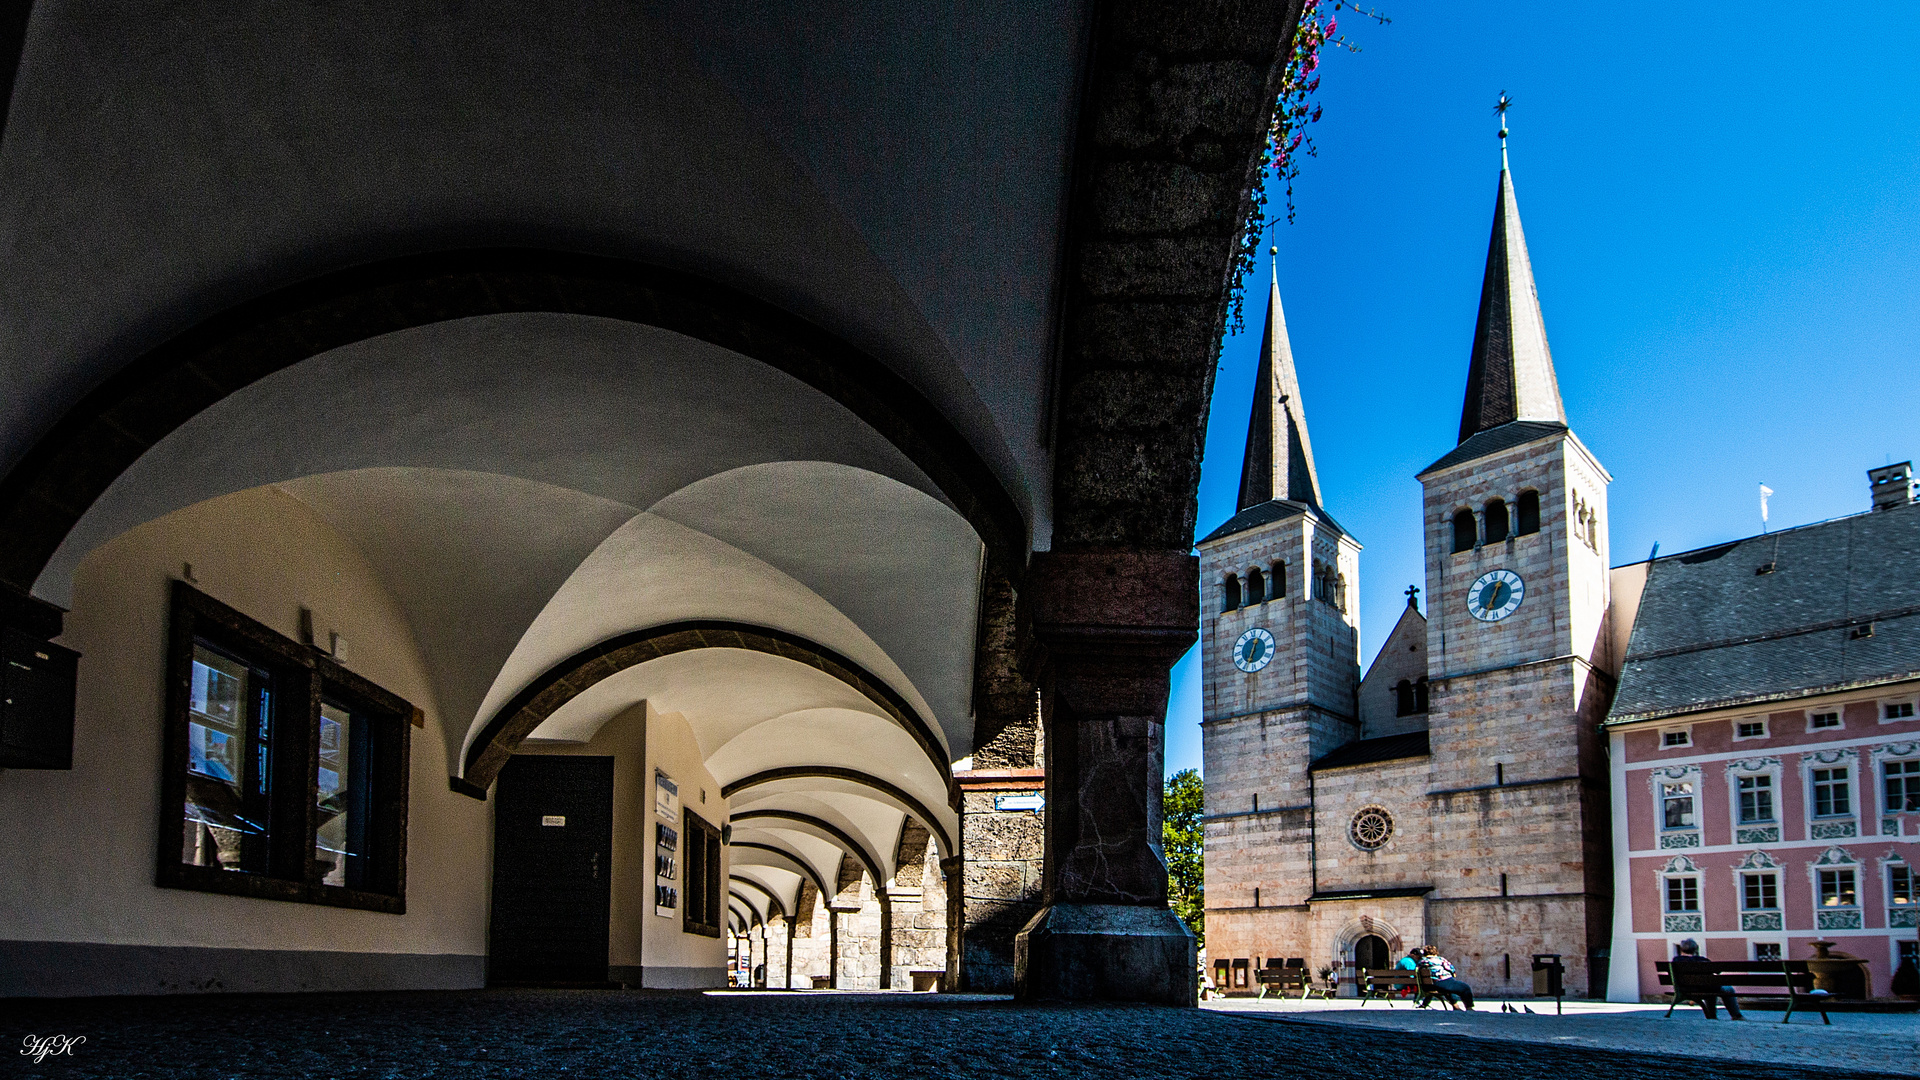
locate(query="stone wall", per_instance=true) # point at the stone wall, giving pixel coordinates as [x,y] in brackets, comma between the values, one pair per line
[812,935]
[919,895]
[1001,883]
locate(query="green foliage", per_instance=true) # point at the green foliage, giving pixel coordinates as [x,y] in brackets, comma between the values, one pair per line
[1184,803]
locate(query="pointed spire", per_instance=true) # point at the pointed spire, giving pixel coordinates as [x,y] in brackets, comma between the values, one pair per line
[1511,373]
[1279,461]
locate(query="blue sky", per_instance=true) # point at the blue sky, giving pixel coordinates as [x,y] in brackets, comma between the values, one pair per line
[1722,202]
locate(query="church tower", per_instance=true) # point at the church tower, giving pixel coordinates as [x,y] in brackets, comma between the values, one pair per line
[1518,591]
[1279,639]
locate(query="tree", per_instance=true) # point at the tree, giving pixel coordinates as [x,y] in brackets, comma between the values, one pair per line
[1184,803]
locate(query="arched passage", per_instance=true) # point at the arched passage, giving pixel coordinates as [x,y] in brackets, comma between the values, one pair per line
[571,677]
[890,791]
[818,826]
[46,493]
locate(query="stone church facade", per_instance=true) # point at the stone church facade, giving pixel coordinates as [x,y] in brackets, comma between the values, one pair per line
[1457,795]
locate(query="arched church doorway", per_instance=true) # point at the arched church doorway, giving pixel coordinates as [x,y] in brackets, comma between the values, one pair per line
[1370,953]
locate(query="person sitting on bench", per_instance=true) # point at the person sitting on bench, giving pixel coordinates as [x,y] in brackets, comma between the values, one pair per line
[1440,976]
[1689,951]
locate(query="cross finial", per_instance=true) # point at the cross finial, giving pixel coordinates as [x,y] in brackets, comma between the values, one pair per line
[1413,596]
[1500,109]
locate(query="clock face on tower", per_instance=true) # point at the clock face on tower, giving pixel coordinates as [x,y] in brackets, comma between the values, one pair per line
[1253,651]
[1496,595]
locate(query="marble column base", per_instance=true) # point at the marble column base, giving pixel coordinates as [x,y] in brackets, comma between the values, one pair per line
[1106,952]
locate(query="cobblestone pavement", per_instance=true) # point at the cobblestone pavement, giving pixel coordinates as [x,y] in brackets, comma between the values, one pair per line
[1854,1044]
[560,1033]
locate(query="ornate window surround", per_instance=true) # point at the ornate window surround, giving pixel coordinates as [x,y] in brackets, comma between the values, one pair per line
[1880,709]
[1682,922]
[1758,832]
[1836,918]
[1766,727]
[1758,919]
[1837,827]
[1879,756]
[1906,916]
[1685,836]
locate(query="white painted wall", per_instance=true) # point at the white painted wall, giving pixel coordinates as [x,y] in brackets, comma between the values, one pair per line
[675,959]
[79,848]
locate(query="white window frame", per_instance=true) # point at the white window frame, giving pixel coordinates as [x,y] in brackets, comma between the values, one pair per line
[1753,947]
[1888,704]
[1744,875]
[1832,826]
[1679,836]
[1681,868]
[1880,758]
[1766,731]
[1759,920]
[1686,737]
[1836,859]
[1839,712]
[1910,910]
[1769,767]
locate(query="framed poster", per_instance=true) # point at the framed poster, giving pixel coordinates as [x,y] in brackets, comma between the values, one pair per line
[666,796]
[666,870]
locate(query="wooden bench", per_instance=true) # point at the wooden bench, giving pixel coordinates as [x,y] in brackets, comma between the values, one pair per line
[1384,983]
[1425,991]
[1285,978]
[1700,980]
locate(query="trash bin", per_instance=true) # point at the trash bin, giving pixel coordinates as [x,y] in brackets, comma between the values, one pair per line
[1549,977]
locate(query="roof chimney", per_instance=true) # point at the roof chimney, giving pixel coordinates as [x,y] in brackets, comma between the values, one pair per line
[1892,486]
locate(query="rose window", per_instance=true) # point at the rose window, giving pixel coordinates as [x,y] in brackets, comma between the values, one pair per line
[1371,828]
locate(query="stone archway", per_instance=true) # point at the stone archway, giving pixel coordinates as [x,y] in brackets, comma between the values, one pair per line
[564,681]
[1347,942]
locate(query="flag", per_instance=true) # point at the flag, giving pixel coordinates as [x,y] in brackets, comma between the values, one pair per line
[1765,491]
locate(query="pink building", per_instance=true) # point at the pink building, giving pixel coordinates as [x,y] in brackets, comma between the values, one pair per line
[1765,745]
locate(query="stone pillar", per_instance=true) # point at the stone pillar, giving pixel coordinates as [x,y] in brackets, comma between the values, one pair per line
[997,877]
[1111,623]
[950,870]
[788,982]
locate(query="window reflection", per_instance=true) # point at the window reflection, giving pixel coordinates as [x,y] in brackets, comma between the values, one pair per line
[229,726]
[333,782]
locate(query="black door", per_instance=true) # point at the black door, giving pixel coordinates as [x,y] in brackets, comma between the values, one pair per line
[552,861]
[1370,953]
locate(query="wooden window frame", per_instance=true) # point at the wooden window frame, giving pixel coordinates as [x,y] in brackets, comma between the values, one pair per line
[302,674]
[709,891]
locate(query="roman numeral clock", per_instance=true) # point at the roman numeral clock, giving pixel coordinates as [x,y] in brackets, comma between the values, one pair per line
[1253,651]
[1495,595]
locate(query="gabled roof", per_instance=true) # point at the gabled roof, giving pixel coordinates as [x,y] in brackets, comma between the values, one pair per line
[1775,617]
[1279,456]
[1267,513]
[1410,630]
[1368,751]
[1510,376]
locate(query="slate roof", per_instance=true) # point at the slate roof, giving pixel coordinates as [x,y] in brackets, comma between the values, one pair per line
[1279,458]
[1266,513]
[1369,751]
[1370,894]
[1494,440]
[1837,607]
[1510,376]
